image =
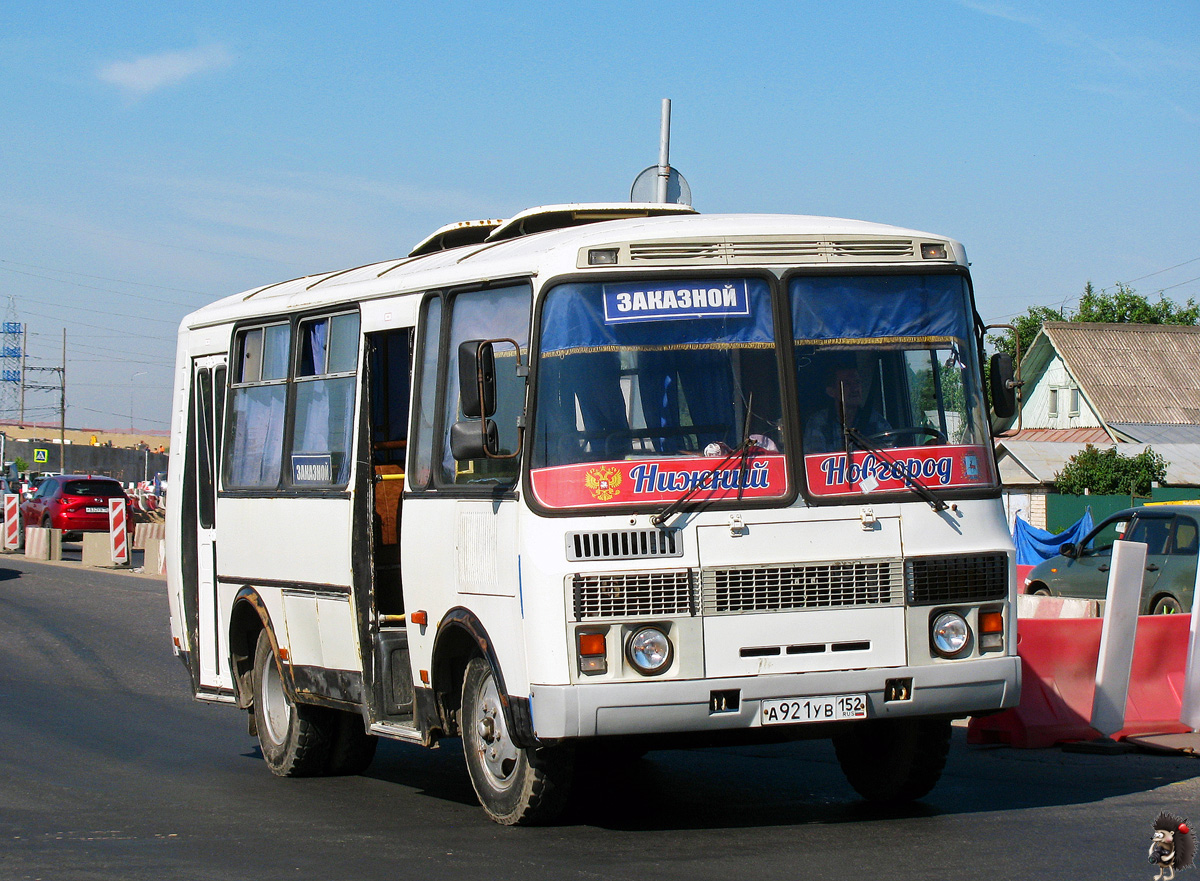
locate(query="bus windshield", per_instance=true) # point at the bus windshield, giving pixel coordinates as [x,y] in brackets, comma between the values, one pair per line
[646,388]
[888,384]
[650,390]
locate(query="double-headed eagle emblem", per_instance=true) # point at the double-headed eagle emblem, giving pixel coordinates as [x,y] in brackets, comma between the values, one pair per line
[604,483]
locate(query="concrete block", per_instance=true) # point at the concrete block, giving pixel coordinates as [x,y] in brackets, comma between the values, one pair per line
[155,559]
[43,544]
[97,551]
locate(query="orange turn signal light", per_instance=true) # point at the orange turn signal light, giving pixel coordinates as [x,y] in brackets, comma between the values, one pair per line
[991,622]
[591,644]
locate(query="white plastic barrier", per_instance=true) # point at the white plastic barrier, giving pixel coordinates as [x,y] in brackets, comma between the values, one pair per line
[1117,635]
[1190,711]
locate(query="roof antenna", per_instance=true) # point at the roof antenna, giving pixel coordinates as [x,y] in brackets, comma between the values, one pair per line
[664,151]
[661,183]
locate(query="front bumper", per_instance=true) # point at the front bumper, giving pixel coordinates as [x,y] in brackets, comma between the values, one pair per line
[678,706]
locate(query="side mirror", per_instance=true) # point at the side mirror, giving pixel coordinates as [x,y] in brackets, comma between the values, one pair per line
[1002,386]
[471,439]
[1070,549]
[477,378]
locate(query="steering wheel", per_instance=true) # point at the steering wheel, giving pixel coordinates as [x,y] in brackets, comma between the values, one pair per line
[914,431]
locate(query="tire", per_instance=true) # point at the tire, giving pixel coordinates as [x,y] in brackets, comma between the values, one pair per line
[1040,591]
[517,787]
[893,760]
[353,749]
[1166,605]
[296,739]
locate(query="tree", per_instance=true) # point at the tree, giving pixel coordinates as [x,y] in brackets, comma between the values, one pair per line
[1107,472]
[21,465]
[1122,306]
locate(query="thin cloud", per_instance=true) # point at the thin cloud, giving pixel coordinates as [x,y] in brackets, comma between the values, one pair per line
[152,72]
[1136,56]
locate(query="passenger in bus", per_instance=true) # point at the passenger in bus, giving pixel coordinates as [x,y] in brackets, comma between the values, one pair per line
[823,430]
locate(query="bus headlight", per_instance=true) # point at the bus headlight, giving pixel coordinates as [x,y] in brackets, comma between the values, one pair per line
[649,651]
[950,634]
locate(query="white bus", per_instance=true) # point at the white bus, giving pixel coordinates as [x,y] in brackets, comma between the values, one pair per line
[594,480]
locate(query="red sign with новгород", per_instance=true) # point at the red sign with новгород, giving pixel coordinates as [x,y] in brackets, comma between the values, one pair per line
[832,474]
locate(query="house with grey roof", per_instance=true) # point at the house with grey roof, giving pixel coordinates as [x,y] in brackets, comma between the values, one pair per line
[1132,385]
[1117,383]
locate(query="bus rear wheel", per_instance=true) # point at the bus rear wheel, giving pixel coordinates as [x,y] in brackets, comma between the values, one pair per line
[893,760]
[517,787]
[295,738]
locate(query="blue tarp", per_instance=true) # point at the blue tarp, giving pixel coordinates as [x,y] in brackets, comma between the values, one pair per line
[1035,545]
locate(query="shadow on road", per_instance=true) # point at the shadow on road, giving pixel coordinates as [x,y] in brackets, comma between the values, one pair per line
[796,784]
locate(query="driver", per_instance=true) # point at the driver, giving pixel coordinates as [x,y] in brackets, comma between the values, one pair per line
[823,430]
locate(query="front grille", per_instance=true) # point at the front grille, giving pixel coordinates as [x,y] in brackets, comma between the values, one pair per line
[624,544]
[970,579]
[633,594]
[802,586]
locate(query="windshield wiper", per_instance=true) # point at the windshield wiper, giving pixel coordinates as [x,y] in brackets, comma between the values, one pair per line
[915,485]
[707,481]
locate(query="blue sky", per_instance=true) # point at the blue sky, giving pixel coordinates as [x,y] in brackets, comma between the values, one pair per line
[159,156]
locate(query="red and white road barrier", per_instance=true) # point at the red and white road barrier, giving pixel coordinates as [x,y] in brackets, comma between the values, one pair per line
[12,521]
[118,531]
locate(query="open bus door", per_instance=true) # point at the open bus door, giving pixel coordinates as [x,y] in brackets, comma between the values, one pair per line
[200,521]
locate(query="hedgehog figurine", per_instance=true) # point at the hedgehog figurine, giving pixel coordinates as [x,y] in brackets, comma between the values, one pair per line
[1173,845]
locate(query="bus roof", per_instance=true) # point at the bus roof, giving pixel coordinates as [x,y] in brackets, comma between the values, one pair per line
[681,239]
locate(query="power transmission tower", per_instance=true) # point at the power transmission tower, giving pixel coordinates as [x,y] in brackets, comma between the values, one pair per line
[12,356]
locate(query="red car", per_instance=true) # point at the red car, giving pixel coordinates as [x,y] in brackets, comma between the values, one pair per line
[74,503]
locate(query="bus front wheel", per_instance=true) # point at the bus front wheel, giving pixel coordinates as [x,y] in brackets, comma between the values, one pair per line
[295,738]
[893,760]
[517,787]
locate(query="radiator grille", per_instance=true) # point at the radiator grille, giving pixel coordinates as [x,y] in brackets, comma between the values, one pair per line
[624,544]
[634,594]
[807,586]
[933,580]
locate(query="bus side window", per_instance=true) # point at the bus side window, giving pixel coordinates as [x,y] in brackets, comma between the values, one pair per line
[323,419]
[421,455]
[254,457]
[495,313]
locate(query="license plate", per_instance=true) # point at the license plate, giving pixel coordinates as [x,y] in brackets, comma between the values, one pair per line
[96,509]
[826,708]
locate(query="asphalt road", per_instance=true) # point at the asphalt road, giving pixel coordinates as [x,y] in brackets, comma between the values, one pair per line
[109,770]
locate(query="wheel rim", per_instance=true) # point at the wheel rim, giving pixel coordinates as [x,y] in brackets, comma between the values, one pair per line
[277,710]
[498,755]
